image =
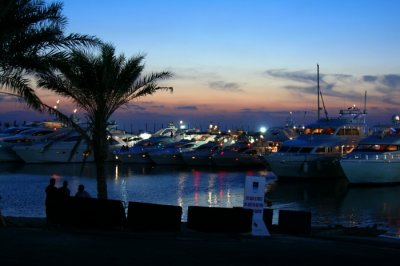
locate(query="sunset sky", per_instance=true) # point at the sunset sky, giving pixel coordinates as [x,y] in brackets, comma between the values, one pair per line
[247,63]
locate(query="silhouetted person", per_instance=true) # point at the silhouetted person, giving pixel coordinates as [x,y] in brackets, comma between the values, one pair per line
[63,195]
[51,201]
[64,190]
[82,193]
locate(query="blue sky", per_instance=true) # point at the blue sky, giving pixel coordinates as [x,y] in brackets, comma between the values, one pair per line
[249,63]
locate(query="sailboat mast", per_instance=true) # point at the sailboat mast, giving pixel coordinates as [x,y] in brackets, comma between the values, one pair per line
[318,92]
[365,102]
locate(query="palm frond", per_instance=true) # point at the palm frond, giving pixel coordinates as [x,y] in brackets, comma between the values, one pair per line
[18,86]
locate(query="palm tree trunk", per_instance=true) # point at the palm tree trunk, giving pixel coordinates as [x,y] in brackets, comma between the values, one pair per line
[101,180]
[100,147]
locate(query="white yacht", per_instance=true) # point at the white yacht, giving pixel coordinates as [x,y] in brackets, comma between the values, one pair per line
[376,159]
[172,153]
[202,155]
[13,131]
[138,153]
[26,138]
[240,154]
[68,148]
[315,153]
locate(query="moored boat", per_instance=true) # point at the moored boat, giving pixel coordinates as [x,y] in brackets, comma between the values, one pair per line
[202,155]
[68,148]
[172,154]
[315,153]
[376,159]
[241,154]
[26,138]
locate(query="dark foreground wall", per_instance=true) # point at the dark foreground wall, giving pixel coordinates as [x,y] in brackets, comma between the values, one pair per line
[156,217]
[102,213]
[91,212]
[217,219]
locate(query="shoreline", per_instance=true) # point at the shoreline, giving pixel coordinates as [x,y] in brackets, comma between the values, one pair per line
[320,231]
[29,240]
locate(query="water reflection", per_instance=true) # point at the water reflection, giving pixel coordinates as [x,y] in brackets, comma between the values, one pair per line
[373,205]
[333,202]
[330,201]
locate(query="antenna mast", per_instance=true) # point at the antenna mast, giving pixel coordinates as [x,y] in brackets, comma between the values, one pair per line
[365,102]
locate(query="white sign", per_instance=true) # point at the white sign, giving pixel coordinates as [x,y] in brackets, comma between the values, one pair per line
[254,199]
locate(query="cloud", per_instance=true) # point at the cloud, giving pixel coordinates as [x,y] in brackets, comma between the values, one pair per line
[382,89]
[136,107]
[299,76]
[331,85]
[192,74]
[225,86]
[391,81]
[369,78]
[187,107]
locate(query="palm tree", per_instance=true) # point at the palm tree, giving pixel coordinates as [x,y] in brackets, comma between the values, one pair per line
[31,37]
[99,84]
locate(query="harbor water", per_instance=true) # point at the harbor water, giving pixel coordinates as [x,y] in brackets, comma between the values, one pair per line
[331,202]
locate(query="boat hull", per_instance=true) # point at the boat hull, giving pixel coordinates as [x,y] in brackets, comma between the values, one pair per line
[167,159]
[238,160]
[8,155]
[371,171]
[128,157]
[57,153]
[198,159]
[299,166]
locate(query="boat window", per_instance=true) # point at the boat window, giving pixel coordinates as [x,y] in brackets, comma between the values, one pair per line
[305,150]
[284,149]
[349,131]
[365,147]
[73,138]
[42,133]
[251,152]
[354,132]
[317,131]
[377,147]
[14,130]
[294,149]
[320,150]
[347,149]
[18,140]
[341,132]
[307,131]
[242,149]
[392,148]
[328,131]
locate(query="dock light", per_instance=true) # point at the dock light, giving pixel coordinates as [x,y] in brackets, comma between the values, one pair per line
[57,103]
[263,129]
[145,135]
[181,125]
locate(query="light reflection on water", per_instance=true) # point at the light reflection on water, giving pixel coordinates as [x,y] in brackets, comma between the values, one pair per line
[331,202]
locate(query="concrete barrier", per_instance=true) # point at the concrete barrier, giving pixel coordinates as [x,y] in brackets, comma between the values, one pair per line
[294,222]
[154,217]
[217,219]
[92,213]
